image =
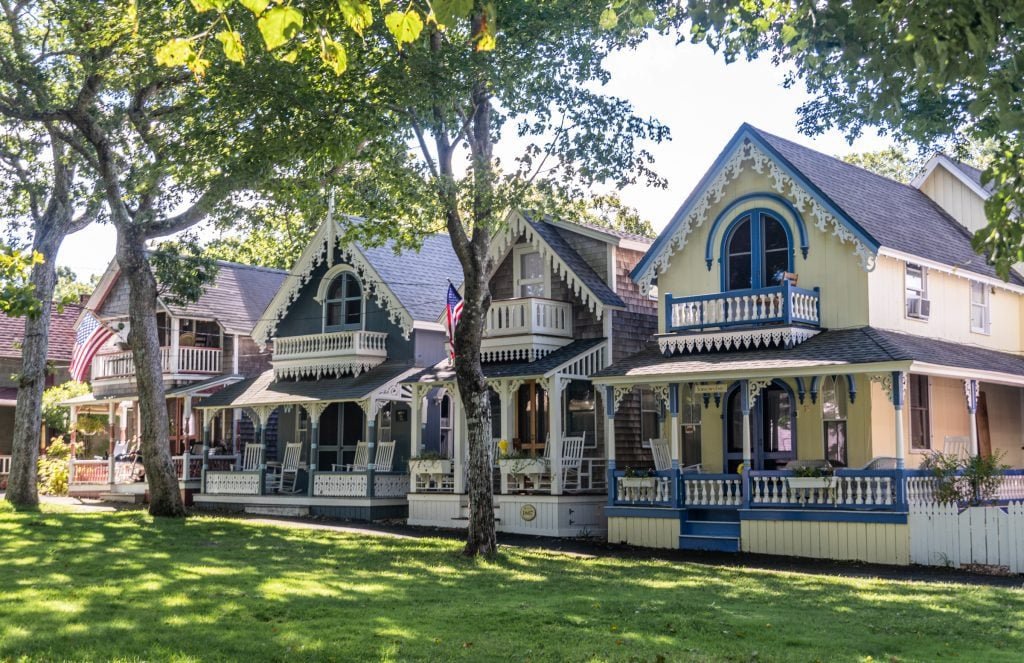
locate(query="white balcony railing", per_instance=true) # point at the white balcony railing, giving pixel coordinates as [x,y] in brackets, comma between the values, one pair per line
[515,317]
[190,360]
[332,353]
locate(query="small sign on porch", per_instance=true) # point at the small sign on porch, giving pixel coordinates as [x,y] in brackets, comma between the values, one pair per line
[710,388]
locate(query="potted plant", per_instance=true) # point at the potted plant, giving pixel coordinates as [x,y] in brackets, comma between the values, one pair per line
[810,477]
[520,462]
[430,462]
[638,478]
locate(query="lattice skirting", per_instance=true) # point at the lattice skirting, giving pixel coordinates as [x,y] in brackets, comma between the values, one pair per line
[232,483]
[339,485]
[390,485]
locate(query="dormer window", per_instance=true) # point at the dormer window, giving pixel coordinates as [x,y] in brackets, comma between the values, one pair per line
[757,250]
[531,276]
[343,307]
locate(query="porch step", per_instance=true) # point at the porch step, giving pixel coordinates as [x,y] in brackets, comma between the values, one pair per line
[719,543]
[719,528]
[287,511]
[123,498]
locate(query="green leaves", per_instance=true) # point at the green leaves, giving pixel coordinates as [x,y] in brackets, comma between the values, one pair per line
[447,11]
[486,38]
[334,56]
[175,53]
[405,27]
[280,25]
[609,19]
[209,5]
[17,294]
[255,6]
[232,43]
[357,15]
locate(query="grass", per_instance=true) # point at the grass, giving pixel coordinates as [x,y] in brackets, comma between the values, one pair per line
[102,586]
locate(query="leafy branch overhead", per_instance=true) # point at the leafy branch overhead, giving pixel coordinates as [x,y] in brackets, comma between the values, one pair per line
[935,73]
[17,295]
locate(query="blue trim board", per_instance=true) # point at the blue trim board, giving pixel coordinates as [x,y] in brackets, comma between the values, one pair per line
[745,132]
[825,516]
[643,512]
[796,220]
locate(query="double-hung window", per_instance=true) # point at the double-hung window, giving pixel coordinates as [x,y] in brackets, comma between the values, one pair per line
[834,400]
[650,417]
[920,413]
[981,320]
[530,274]
[916,284]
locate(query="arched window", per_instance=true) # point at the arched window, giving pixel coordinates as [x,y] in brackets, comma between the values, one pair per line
[834,404]
[343,307]
[757,249]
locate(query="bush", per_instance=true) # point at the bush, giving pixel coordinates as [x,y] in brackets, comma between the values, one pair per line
[52,469]
[975,480]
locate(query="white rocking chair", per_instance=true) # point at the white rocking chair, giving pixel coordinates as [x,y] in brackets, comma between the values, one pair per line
[251,458]
[384,459]
[572,460]
[359,462]
[662,454]
[287,471]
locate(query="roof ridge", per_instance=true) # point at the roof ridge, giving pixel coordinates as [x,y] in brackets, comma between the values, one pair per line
[259,268]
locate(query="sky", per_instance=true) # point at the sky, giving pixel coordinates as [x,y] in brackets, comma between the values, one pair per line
[687,87]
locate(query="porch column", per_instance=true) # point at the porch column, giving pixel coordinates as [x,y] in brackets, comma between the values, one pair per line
[415,430]
[898,393]
[122,422]
[73,418]
[673,411]
[110,445]
[207,438]
[172,366]
[971,391]
[314,410]
[555,421]
[458,443]
[609,439]
[371,444]
[745,410]
[506,393]
[186,420]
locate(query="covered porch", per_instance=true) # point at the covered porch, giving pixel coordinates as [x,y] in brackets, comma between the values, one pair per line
[549,470]
[331,447]
[811,450]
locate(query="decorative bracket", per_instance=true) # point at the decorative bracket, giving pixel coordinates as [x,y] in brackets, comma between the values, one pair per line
[263,413]
[886,380]
[971,393]
[620,393]
[314,410]
[754,388]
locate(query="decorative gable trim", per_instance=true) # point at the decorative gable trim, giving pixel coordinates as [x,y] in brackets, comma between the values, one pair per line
[320,248]
[517,226]
[748,152]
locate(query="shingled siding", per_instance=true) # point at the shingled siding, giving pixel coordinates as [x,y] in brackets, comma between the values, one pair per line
[502,286]
[629,451]
[116,302]
[251,361]
[594,251]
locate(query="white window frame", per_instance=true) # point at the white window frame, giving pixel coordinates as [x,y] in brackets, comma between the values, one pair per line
[645,441]
[517,277]
[830,389]
[985,305]
[922,293]
[327,302]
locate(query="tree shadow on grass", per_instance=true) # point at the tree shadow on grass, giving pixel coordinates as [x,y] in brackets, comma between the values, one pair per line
[124,585]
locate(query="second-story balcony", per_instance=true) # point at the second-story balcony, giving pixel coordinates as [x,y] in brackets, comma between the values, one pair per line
[779,315]
[328,354]
[188,363]
[525,329]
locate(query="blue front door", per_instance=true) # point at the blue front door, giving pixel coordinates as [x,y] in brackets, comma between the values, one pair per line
[772,429]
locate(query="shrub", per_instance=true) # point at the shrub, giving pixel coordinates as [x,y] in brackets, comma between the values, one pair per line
[52,468]
[975,480]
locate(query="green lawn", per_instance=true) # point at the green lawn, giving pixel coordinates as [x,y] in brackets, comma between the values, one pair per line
[105,586]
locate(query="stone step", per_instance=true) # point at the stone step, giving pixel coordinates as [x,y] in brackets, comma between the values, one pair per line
[123,498]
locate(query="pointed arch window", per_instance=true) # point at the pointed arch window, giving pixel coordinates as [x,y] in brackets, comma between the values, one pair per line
[757,249]
[343,306]
[834,411]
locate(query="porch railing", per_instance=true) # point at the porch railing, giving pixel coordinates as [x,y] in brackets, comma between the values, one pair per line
[89,472]
[848,489]
[528,315]
[5,465]
[360,484]
[923,487]
[331,344]
[784,303]
[661,489]
[712,490]
[201,361]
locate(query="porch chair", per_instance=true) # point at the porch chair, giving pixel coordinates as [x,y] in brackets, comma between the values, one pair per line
[359,462]
[120,449]
[818,464]
[251,458]
[662,454]
[384,459]
[957,445]
[881,463]
[287,470]
[572,460]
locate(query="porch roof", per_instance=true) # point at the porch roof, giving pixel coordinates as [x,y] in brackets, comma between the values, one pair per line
[860,349]
[445,372]
[264,390]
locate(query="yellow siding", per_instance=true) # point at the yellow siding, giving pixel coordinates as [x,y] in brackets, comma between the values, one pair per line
[830,264]
[878,543]
[959,200]
[950,318]
[646,532]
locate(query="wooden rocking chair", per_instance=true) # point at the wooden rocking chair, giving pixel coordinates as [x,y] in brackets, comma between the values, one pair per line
[384,459]
[287,471]
[359,462]
[572,460]
[662,454]
[251,458]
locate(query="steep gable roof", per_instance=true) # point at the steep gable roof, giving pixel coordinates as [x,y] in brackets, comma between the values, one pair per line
[966,173]
[61,336]
[862,208]
[896,215]
[410,285]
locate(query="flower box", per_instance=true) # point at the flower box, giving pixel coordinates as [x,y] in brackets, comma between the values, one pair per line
[523,465]
[806,483]
[638,482]
[435,467]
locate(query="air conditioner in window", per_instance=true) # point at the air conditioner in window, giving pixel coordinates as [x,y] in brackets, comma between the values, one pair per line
[919,308]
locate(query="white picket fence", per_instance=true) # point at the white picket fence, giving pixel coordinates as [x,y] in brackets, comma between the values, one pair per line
[943,535]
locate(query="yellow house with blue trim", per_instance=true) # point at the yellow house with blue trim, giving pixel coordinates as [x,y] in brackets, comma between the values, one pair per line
[814,315]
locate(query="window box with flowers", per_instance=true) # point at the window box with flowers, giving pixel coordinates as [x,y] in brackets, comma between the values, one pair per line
[430,469]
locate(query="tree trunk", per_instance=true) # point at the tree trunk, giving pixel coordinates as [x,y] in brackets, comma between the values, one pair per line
[481,539]
[164,497]
[28,413]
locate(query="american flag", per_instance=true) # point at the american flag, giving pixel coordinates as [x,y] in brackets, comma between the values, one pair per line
[454,314]
[90,337]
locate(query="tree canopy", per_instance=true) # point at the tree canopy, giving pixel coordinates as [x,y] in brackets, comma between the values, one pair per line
[933,73]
